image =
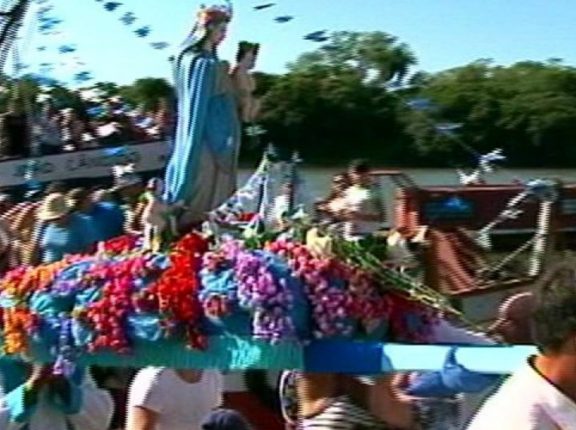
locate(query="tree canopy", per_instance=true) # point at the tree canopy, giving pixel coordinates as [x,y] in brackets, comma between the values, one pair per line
[338,102]
[349,98]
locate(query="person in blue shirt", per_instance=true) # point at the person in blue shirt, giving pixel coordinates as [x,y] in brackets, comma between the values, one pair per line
[107,218]
[61,231]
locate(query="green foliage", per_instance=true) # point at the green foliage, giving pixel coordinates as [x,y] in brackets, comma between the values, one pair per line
[147,93]
[333,105]
[528,109]
[333,101]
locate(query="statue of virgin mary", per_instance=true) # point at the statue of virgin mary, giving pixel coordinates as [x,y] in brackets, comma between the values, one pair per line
[201,173]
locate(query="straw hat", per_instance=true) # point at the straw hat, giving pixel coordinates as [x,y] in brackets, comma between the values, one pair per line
[53,207]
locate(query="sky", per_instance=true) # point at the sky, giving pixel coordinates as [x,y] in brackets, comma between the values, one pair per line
[442,33]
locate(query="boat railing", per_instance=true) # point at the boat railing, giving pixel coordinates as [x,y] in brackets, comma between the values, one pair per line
[399,178]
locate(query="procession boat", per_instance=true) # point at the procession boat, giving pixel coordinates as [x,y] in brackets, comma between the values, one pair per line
[472,207]
[473,253]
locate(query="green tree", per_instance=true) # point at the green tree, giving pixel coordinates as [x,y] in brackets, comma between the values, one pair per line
[148,92]
[333,104]
[376,56]
[107,89]
[528,109]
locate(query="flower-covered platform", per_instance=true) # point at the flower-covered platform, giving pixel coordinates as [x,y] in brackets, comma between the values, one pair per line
[233,304]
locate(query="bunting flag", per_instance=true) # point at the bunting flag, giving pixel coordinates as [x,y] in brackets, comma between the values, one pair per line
[143,31]
[421,104]
[55,42]
[159,45]
[283,19]
[264,6]
[112,6]
[129,18]
[317,36]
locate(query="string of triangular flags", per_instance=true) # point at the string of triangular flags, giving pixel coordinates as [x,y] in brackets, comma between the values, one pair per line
[315,36]
[129,19]
[56,41]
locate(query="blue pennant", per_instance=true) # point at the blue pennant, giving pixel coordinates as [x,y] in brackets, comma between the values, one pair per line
[112,6]
[83,77]
[33,185]
[447,129]
[66,49]
[283,19]
[448,126]
[159,45]
[44,10]
[264,6]
[143,31]
[48,24]
[317,36]
[420,104]
[128,18]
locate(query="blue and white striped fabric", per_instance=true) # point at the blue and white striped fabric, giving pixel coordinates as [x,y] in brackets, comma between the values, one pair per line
[195,75]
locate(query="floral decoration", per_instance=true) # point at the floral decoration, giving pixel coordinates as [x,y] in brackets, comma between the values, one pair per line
[95,303]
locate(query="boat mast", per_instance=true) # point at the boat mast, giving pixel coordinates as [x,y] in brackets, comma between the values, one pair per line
[12,14]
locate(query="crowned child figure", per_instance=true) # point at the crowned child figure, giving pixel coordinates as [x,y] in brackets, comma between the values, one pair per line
[244,82]
[201,173]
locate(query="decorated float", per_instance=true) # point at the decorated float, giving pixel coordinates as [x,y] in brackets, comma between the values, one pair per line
[252,296]
[253,290]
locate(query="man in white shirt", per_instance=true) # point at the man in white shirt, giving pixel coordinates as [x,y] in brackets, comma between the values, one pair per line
[364,210]
[542,394]
[166,399]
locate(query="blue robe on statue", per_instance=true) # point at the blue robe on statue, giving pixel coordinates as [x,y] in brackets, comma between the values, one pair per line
[201,173]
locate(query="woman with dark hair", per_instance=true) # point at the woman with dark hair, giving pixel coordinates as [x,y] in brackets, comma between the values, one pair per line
[201,173]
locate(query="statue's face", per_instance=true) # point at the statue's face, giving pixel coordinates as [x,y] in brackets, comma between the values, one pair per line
[218,33]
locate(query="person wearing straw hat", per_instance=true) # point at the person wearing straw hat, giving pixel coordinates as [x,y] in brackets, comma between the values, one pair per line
[61,231]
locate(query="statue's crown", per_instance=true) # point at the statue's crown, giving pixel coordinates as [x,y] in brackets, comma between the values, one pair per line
[217,13]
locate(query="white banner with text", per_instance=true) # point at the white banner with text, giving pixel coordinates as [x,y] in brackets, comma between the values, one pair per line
[95,163]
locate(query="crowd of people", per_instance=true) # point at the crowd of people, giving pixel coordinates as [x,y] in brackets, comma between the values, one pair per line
[47,129]
[61,221]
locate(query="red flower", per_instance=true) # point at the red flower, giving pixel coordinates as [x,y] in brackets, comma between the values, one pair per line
[176,290]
